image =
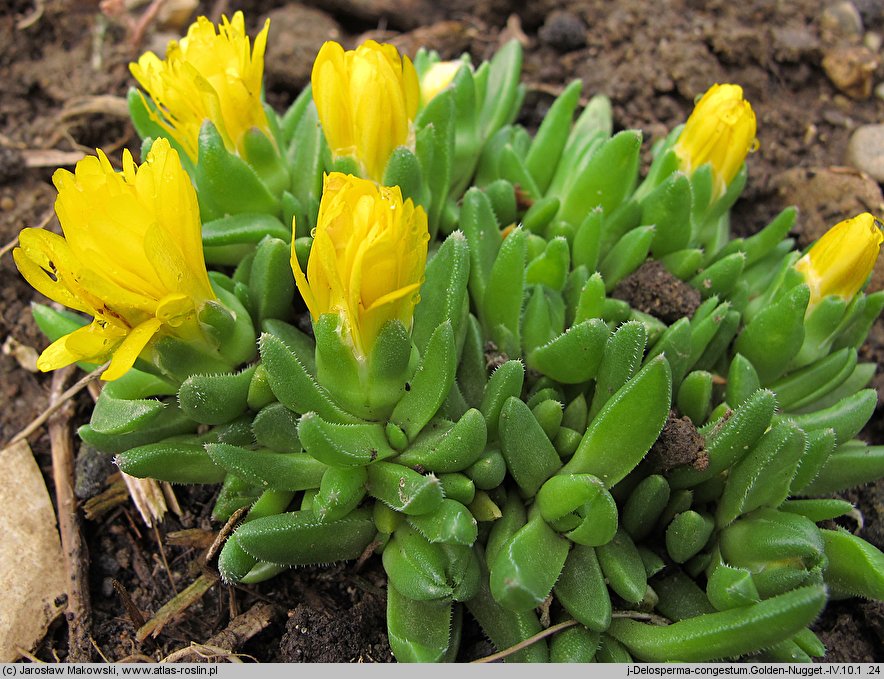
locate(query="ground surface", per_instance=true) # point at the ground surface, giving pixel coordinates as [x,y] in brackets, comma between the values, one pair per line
[809,70]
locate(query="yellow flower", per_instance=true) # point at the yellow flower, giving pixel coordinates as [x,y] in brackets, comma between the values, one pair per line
[437,78]
[720,131]
[842,259]
[367,99]
[131,257]
[367,259]
[207,76]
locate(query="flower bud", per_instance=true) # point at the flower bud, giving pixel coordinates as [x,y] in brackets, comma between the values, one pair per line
[842,259]
[720,131]
[367,260]
[367,99]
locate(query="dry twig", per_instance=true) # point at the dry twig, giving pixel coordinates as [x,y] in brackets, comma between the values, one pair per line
[206,652]
[33,17]
[549,631]
[224,533]
[112,496]
[240,629]
[198,538]
[79,608]
[137,657]
[51,157]
[525,643]
[57,403]
[144,21]
[104,104]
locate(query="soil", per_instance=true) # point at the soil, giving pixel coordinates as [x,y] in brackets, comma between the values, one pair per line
[651,289]
[679,443]
[808,67]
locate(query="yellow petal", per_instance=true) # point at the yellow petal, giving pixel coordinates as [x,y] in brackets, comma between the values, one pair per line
[92,343]
[130,349]
[37,258]
[302,284]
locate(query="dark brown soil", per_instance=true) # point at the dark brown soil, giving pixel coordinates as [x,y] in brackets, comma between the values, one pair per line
[651,289]
[679,443]
[651,58]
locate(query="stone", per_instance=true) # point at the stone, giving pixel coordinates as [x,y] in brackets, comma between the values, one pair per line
[851,69]
[792,43]
[563,31]
[296,34]
[865,150]
[174,15]
[841,21]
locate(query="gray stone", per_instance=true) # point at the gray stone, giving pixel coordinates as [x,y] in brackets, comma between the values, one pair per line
[865,150]
[296,34]
[841,20]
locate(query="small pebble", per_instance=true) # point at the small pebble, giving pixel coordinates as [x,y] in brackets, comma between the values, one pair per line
[7,203]
[563,31]
[841,20]
[851,70]
[865,150]
[873,41]
[879,91]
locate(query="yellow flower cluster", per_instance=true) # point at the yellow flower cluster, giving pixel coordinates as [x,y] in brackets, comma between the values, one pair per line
[367,259]
[131,257]
[207,76]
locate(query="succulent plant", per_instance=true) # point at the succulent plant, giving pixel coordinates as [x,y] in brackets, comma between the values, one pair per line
[540,382]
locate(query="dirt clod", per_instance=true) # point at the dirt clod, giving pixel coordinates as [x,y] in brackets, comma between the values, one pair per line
[679,443]
[653,290]
[91,471]
[296,34]
[563,31]
[494,358]
[851,70]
